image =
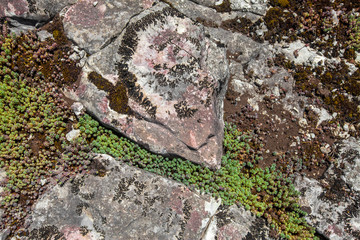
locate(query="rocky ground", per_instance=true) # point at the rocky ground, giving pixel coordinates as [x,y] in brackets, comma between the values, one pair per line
[167,75]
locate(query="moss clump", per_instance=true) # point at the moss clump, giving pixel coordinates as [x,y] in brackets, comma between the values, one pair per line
[280,3]
[265,192]
[117,94]
[225,6]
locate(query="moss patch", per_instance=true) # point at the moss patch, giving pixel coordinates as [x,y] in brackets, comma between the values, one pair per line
[117,94]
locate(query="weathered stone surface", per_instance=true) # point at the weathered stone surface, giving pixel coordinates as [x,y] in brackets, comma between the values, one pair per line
[126,203]
[13,8]
[232,222]
[350,157]
[93,24]
[213,13]
[33,10]
[162,84]
[333,208]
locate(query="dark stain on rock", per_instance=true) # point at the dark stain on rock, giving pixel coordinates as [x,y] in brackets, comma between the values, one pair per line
[117,94]
[238,24]
[224,216]
[80,207]
[46,232]
[98,168]
[84,230]
[183,111]
[75,187]
[127,49]
[187,215]
[122,188]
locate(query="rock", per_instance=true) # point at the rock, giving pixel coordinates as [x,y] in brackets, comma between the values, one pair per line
[70,136]
[232,222]
[25,15]
[324,215]
[350,157]
[255,6]
[93,26]
[78,108]
[161,83]
[4,234]
[333,208]
[303,123]
[124,203]
[43,35]
[300,53]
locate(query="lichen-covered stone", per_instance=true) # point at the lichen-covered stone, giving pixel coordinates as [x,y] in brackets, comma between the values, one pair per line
[126,203]
[162,84]
[93,24]
[232,222]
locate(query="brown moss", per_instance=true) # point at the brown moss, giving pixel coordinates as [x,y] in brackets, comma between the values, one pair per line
[225,6]
[238,24]
[280,3]
[350,54]
[117,94]
[100,82]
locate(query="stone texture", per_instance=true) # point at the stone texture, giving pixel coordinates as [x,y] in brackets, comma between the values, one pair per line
[162,84]
[94,24]
[126,203]
[232,222]
[350,157]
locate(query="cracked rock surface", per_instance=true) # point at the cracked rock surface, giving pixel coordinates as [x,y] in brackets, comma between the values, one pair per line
[161,82]
[128,203]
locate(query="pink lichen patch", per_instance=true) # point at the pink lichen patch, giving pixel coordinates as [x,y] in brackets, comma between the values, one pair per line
[86,13]
[178,195]
[75,233]
[106,120]
[81,90]
[147,3]
[229,232]
[334,229]
[13,8]
[103,105]
[194,223]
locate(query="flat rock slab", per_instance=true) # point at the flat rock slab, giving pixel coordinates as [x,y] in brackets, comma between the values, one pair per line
[92,24]
[126,203]
[161,83]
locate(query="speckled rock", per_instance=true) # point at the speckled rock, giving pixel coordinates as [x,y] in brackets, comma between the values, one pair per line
[350,157]
[93,24]
[162,84]
[335,216]
[232,222]
[123,203]
[24,15]
[34,9]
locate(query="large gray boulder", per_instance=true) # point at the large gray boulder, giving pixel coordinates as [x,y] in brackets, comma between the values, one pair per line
[124,202]
[161,83]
